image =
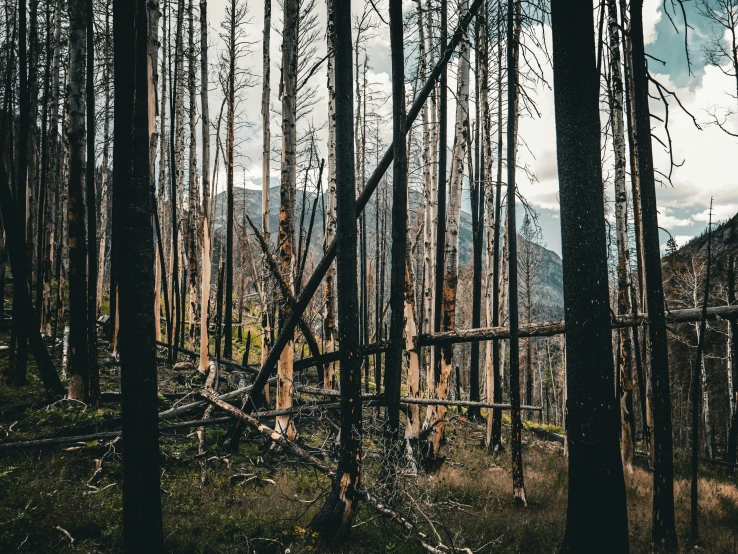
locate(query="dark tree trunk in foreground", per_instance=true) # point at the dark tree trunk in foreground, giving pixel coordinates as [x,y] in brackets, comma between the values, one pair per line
[393,370]
[142,524]
[517,425]
[596,513]
[664,530]
[16,244]
[19,316]
[335,517]
[79,374]
[94,390]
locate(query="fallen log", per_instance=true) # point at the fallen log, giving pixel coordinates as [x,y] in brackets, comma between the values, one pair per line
[56,441]
[306,456]
[267,432]
[551,328]
[463,403]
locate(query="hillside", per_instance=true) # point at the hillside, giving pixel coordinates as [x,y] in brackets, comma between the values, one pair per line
[724,242]
[551,296]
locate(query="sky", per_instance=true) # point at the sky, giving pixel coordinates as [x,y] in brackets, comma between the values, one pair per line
[705,153]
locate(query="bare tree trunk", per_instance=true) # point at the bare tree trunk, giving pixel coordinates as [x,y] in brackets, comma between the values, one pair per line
[664,528]
[400,253]
[78,361]
[644,387]
[284,424]
[94,391]
[429,191]
[458,155]
[597,518]
[329,310]
[513,47]
[54,189]
[335,518]
[142,523]
[732,367]
[104,188]
[478,200]
[266,297]
[206,240]
[228,316]
[625,347]
[494,423]
[194,195]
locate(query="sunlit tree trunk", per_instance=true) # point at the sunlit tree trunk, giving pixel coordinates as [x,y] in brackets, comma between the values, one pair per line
[458,155]
[284,424]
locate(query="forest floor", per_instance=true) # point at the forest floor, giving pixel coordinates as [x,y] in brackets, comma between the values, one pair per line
[259,500]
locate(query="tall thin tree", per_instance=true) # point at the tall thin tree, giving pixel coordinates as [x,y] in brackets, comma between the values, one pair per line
[335,517]
[596,513]
[142,520]
[664,527]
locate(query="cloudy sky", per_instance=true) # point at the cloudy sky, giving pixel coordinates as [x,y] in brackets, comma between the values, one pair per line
[707,154]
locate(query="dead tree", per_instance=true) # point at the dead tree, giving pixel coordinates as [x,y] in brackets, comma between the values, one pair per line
[732,366]
[625,343]
[329,310]
[94,390]
[699,385]
[142,521]
[664,529]
[512,84]
[335,517]
[266,311]
[205,223]
[393,370]
[596,513]
[288,186]
[494,424]
[79,371]
[230,151]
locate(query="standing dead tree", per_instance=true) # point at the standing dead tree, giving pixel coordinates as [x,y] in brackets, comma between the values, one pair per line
[335,517]
[142,522]
[596,513]
[664,527]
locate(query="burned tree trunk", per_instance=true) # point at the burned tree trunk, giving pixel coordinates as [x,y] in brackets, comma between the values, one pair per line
[285,424]
[596,514]
[206,240]
[194,197]
[266,304]
[79,371]
[94,392]
[625,344]
[230,151]
[664,529]
[142,522]
[494,423]
[329,311]
[335,517]
[393,371]
[451,263]
[513,8]
[732,367]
